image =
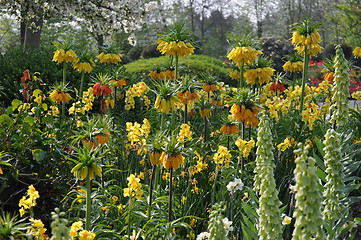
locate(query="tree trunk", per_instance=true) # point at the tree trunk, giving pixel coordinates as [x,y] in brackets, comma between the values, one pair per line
[259,28]
[22,32]
[100,40]
[32,36]
[191,9]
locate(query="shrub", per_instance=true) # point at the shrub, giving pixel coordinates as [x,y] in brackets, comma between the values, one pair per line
[151,52]
[276,49]
[330,51]
[134,53]
[196,64]
[14,62]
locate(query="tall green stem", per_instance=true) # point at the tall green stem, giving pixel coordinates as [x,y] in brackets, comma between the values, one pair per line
[64,81]
[176,68]
[294,78]
[81,84]
[304,76]
[214,187]
[64,73]
[243,136]
[170,195]
[162,121]
[205,127]
[185,113]
[151,190]
[88,204]
[129,213]
[62,110]
[241,79]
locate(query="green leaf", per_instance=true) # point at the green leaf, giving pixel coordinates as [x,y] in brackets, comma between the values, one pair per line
[319,161]
[30,120]
[321,174]
[37,92]
[16,103]
[5,118]
[44,106]
[9,110]
[39,154]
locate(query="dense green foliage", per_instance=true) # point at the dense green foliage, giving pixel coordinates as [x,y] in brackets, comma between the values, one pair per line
[195,64]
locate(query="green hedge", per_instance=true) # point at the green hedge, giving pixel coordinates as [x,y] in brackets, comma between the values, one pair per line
[195,64]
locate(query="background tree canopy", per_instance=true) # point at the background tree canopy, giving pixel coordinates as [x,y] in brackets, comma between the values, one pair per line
[133,27]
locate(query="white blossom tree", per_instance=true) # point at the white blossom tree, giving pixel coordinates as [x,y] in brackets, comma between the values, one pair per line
[102,16]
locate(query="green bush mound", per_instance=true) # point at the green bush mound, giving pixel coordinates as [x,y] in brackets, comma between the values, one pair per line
[14,62]
[195,64]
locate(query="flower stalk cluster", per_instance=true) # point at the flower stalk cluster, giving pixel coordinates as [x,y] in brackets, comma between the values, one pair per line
[270,226]
[216,227]
[340,88]
[308,198]
[26,203]
[134,187]
[333,188]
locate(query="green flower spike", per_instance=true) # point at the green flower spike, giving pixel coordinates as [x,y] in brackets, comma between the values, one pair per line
[216,227]
[340,88]
[308,198]
[333,189]
[59,224]
[264,150]
[270,226]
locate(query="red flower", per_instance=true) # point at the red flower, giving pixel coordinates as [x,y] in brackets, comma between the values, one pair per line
[277,86]
[101,90]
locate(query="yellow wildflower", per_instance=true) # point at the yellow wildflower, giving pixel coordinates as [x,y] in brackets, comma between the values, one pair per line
[283,146]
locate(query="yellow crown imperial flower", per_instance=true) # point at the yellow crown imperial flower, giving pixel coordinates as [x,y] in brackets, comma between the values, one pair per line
[307,37]
[241,55]
[177,43]
[162,105]
[259,75]
[357,52]
[109,58]
[174,48]
[83,66]
[293,66]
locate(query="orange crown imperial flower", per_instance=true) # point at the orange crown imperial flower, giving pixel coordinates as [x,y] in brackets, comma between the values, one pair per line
[186,97]
[277,86]
[171,160]
[209,87]
[101,90]
[118,83]
[60,97]
[243,114]
[154,157]
[205,112]
[229,129]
